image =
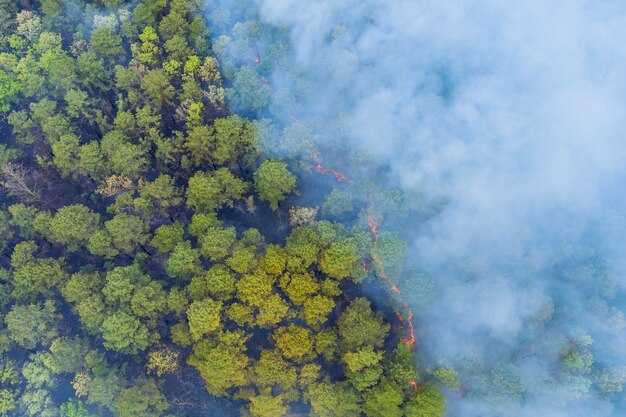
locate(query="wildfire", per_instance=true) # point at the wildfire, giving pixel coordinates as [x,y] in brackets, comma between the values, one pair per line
[338,175]
[257,60]
[409,339]
[413,385]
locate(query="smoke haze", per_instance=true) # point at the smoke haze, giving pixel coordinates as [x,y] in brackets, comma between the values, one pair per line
[514,115]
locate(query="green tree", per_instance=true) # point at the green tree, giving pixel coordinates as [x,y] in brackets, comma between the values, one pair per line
[66,354]
[73,225]
[8,401]
[143,399]
[334,400]
[183,262]
[126,231]
[317,309]
[33,324]
[294,341]
[106,44]
[267,405]
[124,157]
[204,317]
[157,86]
[272,311]
[303,243]
[125,333]
[167,236]
[301,287]
[33,276]
[222,365]
[273,181]
[74,408]
[339,260]
[384,400]
[217,242]
[220,282]
[210,191]
[248,91]
[363,367]
[360,326]
[255,288]
[9,88]
[272,369]
[149,301]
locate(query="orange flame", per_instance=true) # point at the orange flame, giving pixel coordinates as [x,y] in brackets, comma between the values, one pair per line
[413,385]
[409,339]
[338,175]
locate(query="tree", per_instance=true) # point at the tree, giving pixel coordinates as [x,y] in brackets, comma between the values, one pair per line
[360,326]
[123,156]
[66,354]
[294,341]
[126,231]
[183,262]
[149,301]
[274,260]
[157,86]
[301,287]
[204,317]
[209,191]
[272,311]
[448,376]
[168,236]
[317,309]
[74,408]
[23,216]
[242,259]
[73,225]
[339,259]
[216,243]
[121,282]
[163,360]
[334,400]
[267,405]
[271,369]
[33,276]
[303,243]
[9,88]
[143,399]
[33,324]
[363,367]
[8,401]
[125,333]
[337,203]
[106,44]
[220,282]
[248,91]
[222,366]
[233,138]
[255,288]
[384,400]
[159,196]
[65,152]
[273,181]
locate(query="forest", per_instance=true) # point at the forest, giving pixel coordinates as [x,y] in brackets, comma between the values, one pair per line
[169,250]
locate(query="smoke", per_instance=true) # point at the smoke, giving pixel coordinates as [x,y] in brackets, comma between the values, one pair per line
[512,113]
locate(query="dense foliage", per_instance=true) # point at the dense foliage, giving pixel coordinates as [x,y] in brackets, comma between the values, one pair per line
[131,243]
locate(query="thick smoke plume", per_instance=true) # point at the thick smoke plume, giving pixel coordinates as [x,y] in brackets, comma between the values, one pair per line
[514,115]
